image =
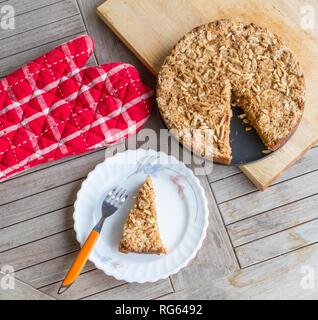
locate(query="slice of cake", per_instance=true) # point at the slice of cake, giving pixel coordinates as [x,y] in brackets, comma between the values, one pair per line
[141,233]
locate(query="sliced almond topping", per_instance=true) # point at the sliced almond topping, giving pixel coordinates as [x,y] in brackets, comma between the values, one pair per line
[225,55]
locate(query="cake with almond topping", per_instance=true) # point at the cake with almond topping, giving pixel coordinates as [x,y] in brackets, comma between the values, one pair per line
[226,63]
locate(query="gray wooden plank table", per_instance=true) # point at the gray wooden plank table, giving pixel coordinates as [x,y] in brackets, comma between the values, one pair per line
[258,245]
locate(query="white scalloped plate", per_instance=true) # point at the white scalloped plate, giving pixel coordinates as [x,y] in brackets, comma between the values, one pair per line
[181,206]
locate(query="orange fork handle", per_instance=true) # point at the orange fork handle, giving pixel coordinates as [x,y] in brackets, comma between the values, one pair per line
[81,259]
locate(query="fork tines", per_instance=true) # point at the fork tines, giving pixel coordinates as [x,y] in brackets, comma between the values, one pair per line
[117,196]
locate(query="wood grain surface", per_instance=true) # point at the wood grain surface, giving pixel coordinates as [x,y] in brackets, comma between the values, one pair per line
[258,245]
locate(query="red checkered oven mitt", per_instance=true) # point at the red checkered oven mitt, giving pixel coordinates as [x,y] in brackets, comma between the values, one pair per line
[55,107]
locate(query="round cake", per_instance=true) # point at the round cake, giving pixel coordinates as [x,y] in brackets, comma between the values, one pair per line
[224,64]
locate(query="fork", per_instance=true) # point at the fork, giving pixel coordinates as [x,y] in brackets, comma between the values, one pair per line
[112,202]
[141,164]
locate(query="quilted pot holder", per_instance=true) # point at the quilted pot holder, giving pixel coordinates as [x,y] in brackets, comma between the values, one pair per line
[55,107]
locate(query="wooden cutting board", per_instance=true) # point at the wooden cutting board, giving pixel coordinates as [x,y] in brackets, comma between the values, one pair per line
[150,28]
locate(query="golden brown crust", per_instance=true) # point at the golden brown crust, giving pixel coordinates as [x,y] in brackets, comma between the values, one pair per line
[282,141]
[260,68]
[141,232]
[217,159]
